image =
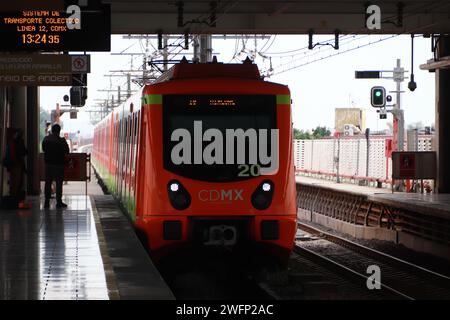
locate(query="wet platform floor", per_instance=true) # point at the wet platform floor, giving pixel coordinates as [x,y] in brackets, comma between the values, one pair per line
[51,254]
[88,251]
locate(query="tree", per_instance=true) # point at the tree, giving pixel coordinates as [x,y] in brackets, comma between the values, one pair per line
[415,125]
[320,132]
[301,135]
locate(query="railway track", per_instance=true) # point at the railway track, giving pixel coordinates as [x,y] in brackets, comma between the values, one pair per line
[208,274]
[400,278]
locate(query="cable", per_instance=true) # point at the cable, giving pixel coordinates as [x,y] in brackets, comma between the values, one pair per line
[335,54]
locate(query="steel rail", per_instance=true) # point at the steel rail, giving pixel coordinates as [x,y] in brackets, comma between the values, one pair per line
[373,253]
[327,262]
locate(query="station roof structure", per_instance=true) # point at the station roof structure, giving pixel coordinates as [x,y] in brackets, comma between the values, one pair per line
[277,17]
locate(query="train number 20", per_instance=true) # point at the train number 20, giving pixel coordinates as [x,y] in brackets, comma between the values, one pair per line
[246,170]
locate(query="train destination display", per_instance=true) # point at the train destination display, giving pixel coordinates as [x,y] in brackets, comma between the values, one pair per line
[77,28]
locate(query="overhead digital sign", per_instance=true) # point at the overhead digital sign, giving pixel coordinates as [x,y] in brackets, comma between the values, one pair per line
[76,28]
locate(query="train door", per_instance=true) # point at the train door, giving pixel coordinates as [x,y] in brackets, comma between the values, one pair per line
[136,160]
[130,159]
[116,152]
[119,158]
[127,160]
[133,157]
[122,158]
[141,201]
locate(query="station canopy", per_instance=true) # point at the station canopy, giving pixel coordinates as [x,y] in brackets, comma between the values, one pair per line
[277,17]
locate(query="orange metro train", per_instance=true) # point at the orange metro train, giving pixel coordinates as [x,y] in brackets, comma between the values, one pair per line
[203,156]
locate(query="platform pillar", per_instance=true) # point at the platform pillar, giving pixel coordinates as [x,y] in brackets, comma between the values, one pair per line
[18,110]
[24,114]
[443,120]
[32,119]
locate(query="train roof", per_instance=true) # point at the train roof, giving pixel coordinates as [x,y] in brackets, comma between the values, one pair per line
[214,69]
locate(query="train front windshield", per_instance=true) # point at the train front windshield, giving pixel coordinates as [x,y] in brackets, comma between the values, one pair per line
[220,138]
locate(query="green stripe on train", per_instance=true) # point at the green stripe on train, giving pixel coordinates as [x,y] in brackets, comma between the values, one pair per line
[283,99]
[152,99]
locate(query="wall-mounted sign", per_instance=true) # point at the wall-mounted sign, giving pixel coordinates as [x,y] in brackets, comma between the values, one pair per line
[75,167]
[414,165]
[75,28]
[44,63]
[43,69]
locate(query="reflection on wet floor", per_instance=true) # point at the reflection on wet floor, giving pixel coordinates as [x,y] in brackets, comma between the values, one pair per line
[51,254]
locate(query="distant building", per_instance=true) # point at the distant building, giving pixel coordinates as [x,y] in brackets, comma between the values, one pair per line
[350,120]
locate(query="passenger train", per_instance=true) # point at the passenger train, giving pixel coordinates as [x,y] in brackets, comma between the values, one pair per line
[203,156]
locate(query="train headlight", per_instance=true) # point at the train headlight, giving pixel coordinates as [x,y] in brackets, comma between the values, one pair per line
[262,196]
[179,197]
[266,187]
[174,187]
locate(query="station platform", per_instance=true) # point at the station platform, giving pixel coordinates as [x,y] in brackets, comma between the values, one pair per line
[88,251]
[333,185]
[437,205]
[432,204]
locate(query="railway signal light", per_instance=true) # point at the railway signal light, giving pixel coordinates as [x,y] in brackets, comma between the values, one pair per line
[378,97]
[83,95]
[78,96]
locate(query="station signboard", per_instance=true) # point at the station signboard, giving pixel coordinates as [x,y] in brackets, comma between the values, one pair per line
[71,28]
[43,69]
[75,168]
[414,165]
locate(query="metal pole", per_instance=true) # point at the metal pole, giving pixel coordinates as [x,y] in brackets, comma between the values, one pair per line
[128,85]
[205,48]
[5,107]
[357,157]
[196,48]
[337,162]
[400,134]
[367,153]
[165,52]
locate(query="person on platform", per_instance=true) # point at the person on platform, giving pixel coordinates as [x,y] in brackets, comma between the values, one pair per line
[14,162]
[48,128]
[55,148]
[18,168]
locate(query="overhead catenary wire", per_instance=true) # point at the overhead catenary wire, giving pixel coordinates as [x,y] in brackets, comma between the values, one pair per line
[335,54]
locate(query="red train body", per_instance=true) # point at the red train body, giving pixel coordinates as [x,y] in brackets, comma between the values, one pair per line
[173,157]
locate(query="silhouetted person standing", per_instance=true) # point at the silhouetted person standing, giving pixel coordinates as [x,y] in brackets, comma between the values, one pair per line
[17,169]
[55,149]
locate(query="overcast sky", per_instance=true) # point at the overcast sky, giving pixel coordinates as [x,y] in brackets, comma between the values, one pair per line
[316,88]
